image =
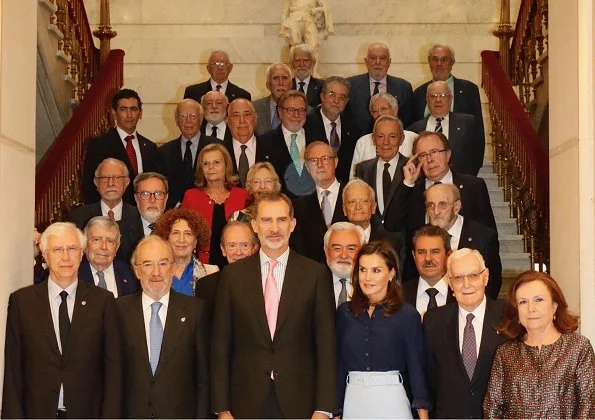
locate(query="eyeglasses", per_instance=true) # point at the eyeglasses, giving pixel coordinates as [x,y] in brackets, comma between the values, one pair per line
[473,277]
[333,95]
[376,111]
[259,182]
[233,246]
[149,266]
[435,96]
[429,155]
[218,64]
[186,117]
[59,250]
[360,201]
[325,160]
[292,110]
[442,205]
[115,178]
[157,195]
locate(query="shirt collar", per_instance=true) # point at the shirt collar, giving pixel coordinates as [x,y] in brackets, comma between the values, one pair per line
[337,279]
[54,290]
[382,81]
[223,84]
[306,81]
[123,134]
[441,286]
[446,179]
[333,188]
[117,208]
[287,133]
[264,258]
[194,139]
[249,143]
[393,162]
[147,301]
[478,312]
[94,270]
[457,227]
[327,122]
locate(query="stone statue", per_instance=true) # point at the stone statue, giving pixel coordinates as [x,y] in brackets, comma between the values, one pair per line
[304,22]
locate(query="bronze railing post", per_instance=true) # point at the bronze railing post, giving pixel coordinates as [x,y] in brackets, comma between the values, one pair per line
[504,33]
[104,31]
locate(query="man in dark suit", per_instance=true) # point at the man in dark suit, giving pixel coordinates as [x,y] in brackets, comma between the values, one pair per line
[467,142]
[150,193]
[278,81]
[429,289]
[384,173]
[314,213]
[177,158]
[122,142]
[111,180]
[276,306]
[214,124]
[63,342]
[466,99]
[377,80]
[288,143]
[165,369]
[327,125]
[219,67]
[443,204]
[243,146]
[302,61]
[462,340]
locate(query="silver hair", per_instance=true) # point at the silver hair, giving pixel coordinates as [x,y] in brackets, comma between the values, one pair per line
[57,229]
[112,160]
[360,182]
[104,222]
[303,48]
[463,252]
[342,227]
[310,146]
[389,118]
[446,47]
[148,239]
[439,82]
[201,112]
[270,68]
[393,102]
[203,99]
[143,176]
[219,52]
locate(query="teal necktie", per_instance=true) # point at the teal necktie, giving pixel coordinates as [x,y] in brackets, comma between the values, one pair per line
[294,152]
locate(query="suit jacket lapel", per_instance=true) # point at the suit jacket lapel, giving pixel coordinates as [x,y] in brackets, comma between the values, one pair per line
[79,314]
[466,239]
[228,143]
[136,320]
[291,286]
[174,325]
[85,273]
[316,210]
[254,292]
[397,178]
[338,214]
[47,323]
[491,318]
[451,334]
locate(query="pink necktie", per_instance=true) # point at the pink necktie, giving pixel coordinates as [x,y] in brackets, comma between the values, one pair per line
[271,298]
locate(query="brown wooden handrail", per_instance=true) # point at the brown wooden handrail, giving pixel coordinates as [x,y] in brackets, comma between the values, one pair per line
[520,157]
[58,172]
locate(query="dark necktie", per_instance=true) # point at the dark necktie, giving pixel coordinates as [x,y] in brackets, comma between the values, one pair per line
[110,214]
[188,161]
[63,321]
[152,226]
[243,166]
[376,88]
[438,128]
[342,293]
[131,154]
[214,131]
[218,88]
[432,292]
[469,346]
[301,89]
[101,283]
[275,122]
[334,137]
[385,184]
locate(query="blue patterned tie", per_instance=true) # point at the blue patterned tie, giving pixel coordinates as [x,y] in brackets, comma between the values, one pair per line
[155,335]
[294,152]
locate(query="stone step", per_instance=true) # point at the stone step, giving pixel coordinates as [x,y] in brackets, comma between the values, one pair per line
[490,179]
[511,243]
[496,194]
[506,226]
[515,263]
[501,210]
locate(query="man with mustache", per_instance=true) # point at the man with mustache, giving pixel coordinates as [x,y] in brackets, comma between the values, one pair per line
[431,248]
[342,242]
[215,104]
[302,61]
[150,193]
[273,352]
[278,81]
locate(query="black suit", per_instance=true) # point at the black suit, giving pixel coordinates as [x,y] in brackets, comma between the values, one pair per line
[396,206]
[90,369]
[263,152]
[349,135]
[307,238]
[379,233]
[179,388]
[313,92]
[410,292]
[465,96]
[206,289]
[131,227]
[302,354]
[455,396]
[203,130]
[293,184]
[232,91]
[170,162]
[110,146]
[359,100]
[466,140]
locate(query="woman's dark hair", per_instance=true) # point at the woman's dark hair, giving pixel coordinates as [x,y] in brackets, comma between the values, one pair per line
[510,326]
[394,295]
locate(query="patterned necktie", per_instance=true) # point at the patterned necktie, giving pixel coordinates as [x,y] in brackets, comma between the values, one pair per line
[218,88]
[334,137]
[131,154]
[214,131]
[294,152]
[155,335]
[243,166]
[386,181]
[438,128]
[325,205]
[188,161]
[101,283]
[432,292]
[301,88]
[275,121]
[376,88]
[152,226]
[271,298]
[343,293]
[110,214]
[63,321]
[469,347]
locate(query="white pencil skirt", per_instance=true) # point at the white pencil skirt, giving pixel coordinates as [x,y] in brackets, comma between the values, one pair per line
[376,395]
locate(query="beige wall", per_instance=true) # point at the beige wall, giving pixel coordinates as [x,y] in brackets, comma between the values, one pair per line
[17,147]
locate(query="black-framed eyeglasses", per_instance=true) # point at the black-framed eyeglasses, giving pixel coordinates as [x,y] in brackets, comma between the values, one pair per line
[292,110]
[157,195]
[427,155]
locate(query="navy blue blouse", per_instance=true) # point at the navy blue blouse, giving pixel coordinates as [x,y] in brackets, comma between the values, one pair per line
[382,343]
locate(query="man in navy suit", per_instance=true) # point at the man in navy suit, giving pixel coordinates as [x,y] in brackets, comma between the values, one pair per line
[219,67]
[122,142]
[302,61]
[214,105]
[466,99]
[377,80]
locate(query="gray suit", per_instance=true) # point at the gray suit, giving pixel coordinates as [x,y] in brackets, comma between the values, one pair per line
[263,112]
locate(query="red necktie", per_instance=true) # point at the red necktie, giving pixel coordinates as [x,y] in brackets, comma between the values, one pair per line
[218,87]
[131,153]
[110,214]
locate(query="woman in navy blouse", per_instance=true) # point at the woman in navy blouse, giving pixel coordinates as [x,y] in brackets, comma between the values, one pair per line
[380,343]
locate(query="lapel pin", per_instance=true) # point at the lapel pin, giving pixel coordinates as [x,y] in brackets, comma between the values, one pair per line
[125,281]
[183,319]
[460,186]
[460,91]
[458,128]
[469,238]
[84,302]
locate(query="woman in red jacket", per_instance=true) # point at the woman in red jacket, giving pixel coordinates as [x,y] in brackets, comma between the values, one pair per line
[215,197]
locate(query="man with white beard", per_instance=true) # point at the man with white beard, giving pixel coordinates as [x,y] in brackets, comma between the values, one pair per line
[150,193]
[342,242]
[215,105]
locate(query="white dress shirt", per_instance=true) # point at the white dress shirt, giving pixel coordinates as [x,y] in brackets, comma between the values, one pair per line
[147,231]
[422,299]
[431,124]
[250,151]
[455,233]
[109,276]
[365,149]
[117,210]
[332,197]
[379,171]
[446,179]
[301,140]
[223,86]
[278,272]
[337,285]
[368,232]
[306,83]
[381,86]
[139,159]
[193,146]
[55,300]
[221,127]
[146,302]
[477,322]
[328,127]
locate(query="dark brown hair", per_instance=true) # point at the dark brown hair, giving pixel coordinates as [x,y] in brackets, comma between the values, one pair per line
[564,320]
[197,223]
[433,232]
[271,196]
[230,178]
[394,295]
